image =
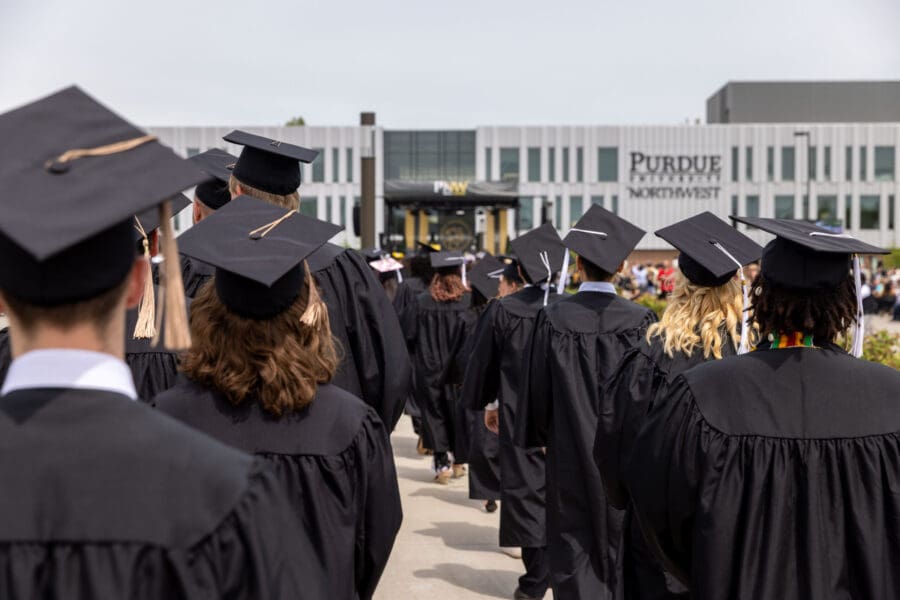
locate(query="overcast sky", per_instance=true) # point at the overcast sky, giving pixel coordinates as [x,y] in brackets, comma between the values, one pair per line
[426,63]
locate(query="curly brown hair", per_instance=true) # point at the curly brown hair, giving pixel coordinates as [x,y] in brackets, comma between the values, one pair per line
[825,314]
[447,286]
[279,361]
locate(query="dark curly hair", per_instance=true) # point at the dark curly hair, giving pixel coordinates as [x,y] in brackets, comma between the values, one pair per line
[825,314]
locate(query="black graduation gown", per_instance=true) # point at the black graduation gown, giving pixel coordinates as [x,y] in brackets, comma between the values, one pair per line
[775,475]
[483,445]
[430,328]
[335,460]
[577,344]
[194,274]
[627,396]
[495,371]
[406,295]
[106,498]
[375,365]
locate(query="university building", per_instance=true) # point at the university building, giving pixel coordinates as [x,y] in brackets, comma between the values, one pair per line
[826,152]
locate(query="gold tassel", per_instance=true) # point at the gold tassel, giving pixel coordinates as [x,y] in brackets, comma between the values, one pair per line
[145,328]
[171,313]
[312,315]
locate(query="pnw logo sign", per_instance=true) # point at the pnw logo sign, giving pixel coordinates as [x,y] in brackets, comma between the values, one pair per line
[675,176]
[451,188]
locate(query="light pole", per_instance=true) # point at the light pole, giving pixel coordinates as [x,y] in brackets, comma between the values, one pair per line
[367,180]
[806,135]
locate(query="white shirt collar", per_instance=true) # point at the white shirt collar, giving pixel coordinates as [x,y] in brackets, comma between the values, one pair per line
[597,286]
[71,369]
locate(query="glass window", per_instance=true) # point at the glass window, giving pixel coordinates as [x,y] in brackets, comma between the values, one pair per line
[193,152]
[734,206]
[891,209]
[826,210]
[579,164]
[615,205]
[597,200]
[509,164]
[488,155]
[318,166]
[884,163]
[770,163]
[848,163]
[576,209]
[565,164]
[784,207]
[309,206]
[863,156]
[448,155]
[811,163]
[534,164]
[805,213]
[342,208]
[526,213]
[335,164]
[869,209]
[607,164]
[748,162]
[329,209]
[734,163]
[558,211]
[848,211]
[751,208]
[349,164]
[787,163]
[826,163]
[551,164]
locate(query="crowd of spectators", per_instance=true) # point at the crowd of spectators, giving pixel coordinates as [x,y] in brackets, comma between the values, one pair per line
[879,292]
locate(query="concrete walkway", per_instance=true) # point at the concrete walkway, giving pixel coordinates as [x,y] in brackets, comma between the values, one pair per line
[447,547]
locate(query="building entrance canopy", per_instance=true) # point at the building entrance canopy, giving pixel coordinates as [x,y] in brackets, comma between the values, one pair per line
[451,194]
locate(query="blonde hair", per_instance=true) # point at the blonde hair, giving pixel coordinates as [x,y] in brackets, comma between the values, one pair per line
[288,201]
[694,315]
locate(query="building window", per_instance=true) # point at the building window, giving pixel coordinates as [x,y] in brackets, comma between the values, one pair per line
[318,166]
[349,165]
[787,163]
[551,164]
[509,164]
[597,201]
[335,165]
[615,205]
[848,164]
[488,155]
[329,208]
[526,213]
[748,163]
[826,210]
[193,152]
[579,164]
[430,155]
[884,163]
[826,162]
[784,207]
[770,163]
[891,209]
[863,163]
[805,213]
[751,208]
[576,209]
[734,206]
[342,207]
[848,211]
[811,163]
[565,164]
[534,164]
[734,163]
[607,164]
[869,209]
[309,206]
[558,213]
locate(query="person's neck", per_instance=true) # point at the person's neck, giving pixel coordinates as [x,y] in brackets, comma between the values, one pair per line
[79,337]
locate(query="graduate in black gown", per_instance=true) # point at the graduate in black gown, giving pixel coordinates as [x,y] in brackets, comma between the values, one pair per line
[774,474]
[702,322]
[269,395]
[496,368]
[388,270]
[103,496]
[374,363]
[577,343]
[431,325]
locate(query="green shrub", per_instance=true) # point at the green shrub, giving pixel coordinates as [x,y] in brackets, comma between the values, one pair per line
[883,347]
[653,303]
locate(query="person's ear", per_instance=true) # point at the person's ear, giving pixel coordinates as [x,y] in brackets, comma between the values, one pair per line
[2,304]
[238,191]
[579,263]
[140,272]
[621,267]
[198,212]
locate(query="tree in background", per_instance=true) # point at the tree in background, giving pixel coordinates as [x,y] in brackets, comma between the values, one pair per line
[296,122]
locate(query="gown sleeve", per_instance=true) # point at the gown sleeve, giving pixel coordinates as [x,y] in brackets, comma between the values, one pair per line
[482,376]
[374,335]
[382,513]
[533,422]
[260,550]
[663,475]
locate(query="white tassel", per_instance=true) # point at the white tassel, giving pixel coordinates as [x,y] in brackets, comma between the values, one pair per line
[463,268]
[564,274]
[545,259]
[859,334]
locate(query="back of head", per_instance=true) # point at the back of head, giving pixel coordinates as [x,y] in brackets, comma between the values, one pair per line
[446,286]
[289,201]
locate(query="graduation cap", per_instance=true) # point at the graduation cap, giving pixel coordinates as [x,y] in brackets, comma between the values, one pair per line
[603,238]
[449,260]
[269,165]
[148,220]
[711,251]
[373,254]
[809,258]
[427,248]
[74,174]
[511,272]
[484,277]
[540,252]
[258,251]
[218,164]
[388,264]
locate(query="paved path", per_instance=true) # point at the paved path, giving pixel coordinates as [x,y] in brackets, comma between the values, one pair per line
[447,547]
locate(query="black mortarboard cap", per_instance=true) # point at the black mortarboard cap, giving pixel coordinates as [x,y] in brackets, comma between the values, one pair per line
[511,272]
[218,164]
[258,251]
[484,276]
[530,246]
[699,239]
[446,259]
[73,175]
[804,256]
[269,165]
[427,248]
[149,219]
[373,254]
[603,238]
